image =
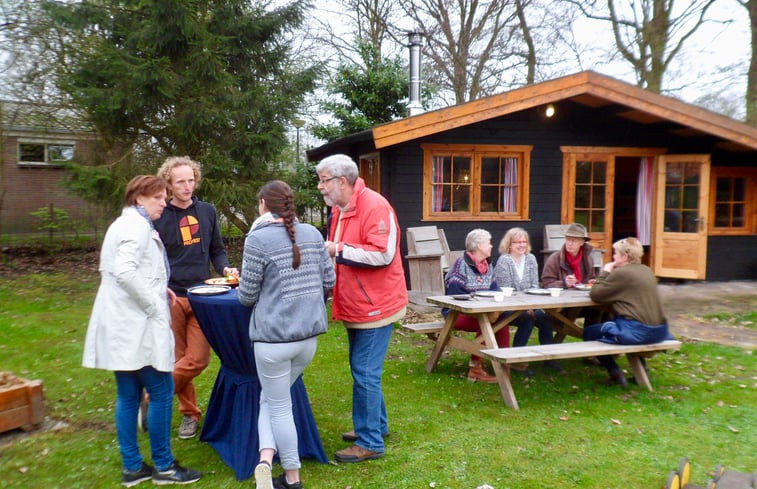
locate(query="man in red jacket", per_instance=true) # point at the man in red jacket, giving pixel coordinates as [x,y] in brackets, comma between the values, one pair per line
[369,296]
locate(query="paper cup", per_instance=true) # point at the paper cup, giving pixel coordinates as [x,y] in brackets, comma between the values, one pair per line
[508,291]
[555,291]
[499,296]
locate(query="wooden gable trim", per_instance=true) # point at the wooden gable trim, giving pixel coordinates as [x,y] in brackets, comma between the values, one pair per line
[577,85]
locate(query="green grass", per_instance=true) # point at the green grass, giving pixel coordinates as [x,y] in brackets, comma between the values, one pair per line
[746,320]
[571,430]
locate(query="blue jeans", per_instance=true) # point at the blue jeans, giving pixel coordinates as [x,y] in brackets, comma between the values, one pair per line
[525,324]
[624,331]
[159,385]
[367,352]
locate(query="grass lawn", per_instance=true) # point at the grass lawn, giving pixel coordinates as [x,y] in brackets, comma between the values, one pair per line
[571,430]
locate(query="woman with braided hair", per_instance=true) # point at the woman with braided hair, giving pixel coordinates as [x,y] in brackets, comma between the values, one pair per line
[285,273]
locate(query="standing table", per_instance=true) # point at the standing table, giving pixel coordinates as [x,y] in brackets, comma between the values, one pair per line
[231,419]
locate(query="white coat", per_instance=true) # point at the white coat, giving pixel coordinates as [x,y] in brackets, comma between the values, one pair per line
[130,326]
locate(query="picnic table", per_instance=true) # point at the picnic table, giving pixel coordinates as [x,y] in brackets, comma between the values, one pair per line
[561,308]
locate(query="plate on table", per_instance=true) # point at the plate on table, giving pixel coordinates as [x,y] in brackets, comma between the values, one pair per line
[461,297]
[209,289]
[538,291]
[231,282]
[486,293]
[583,287]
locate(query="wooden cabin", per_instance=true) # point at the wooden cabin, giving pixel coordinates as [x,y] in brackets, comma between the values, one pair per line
[617,158]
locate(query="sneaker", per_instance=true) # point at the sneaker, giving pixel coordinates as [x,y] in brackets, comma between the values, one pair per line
[263,476]
[356,453]
[142,414]
[175,474]
[351,436]
[131,478]
[188,428]
[280,482]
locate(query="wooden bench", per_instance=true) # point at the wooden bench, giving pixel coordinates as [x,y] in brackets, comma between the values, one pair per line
[431,329]
[578,349]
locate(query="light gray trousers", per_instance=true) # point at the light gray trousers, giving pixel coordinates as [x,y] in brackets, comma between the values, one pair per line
[279,365]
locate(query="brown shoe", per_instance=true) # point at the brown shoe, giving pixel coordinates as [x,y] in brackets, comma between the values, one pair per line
[617,377]
[478,374]
[351,436]
[356,453]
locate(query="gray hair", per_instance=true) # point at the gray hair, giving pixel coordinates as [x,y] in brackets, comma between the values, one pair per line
[339,166]
[475,238]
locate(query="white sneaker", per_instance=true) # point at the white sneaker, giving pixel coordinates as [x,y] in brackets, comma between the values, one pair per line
[263,478]
[188,428]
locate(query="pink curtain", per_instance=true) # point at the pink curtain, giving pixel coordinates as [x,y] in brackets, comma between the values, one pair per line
[510,189]
[437,177]
[644,201]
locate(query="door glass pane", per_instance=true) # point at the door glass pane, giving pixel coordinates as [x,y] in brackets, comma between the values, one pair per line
[599,172]
[583,172]
[597,222]
[598,197]
[690,197]
[739,189]
[674,173]
[582,217]
[582,197]
[690,221]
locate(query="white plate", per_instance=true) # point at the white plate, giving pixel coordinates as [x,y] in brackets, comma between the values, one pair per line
[209,289]
[582,287]
[486,293]
[538,291]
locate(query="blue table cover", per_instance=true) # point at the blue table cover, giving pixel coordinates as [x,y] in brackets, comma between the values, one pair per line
[230,425]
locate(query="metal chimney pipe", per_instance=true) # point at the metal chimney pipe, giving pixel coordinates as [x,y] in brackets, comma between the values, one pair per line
[414,106]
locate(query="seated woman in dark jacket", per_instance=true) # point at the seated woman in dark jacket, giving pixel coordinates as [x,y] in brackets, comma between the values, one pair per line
[470,273]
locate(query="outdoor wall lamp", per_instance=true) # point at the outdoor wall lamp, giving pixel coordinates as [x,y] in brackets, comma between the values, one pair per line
[550,110]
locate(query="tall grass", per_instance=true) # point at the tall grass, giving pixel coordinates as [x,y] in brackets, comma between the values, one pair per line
[571,430]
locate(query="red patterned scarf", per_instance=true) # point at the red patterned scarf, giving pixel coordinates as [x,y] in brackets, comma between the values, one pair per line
[482,266]
[575,263]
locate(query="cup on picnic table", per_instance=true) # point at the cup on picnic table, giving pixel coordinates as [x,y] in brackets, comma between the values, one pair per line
[555,291]
[508,291]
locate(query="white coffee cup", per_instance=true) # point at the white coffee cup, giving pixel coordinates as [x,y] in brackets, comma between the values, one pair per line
[555,291]
[499,296]
[508,291]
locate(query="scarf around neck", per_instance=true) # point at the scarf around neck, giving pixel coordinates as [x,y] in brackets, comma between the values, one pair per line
[575,263]
[482,266]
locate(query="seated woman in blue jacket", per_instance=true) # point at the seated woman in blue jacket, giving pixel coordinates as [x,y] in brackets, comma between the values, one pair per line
[470,273]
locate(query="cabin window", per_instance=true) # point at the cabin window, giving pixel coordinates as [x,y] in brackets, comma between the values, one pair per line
[733,203]
[44,154]
[479,182]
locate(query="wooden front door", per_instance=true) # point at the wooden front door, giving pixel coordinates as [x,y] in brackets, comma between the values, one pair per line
[681,212]
[588,194]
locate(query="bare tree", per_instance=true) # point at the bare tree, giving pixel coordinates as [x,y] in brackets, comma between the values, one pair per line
[649,33]
[751,84]
[470,45]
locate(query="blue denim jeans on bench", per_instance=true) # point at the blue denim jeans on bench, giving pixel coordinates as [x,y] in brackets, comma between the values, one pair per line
[159,385]
[624,331]
[367,352]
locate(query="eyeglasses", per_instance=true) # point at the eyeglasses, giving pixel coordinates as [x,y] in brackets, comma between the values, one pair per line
[520,242]
[326,180]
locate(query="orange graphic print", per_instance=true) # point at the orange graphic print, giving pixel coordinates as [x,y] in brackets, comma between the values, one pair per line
[189,227]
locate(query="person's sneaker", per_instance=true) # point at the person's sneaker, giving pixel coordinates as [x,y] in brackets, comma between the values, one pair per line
[188,427]
[617,377]
[131,478]
[554,366]
[175,474]
[263,478]
[142,414]
[356,453]
[351,436]
[280,482]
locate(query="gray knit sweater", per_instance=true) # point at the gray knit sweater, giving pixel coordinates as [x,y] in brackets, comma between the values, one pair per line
[288,303]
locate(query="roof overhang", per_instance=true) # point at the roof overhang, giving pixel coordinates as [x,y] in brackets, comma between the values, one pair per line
[587,88]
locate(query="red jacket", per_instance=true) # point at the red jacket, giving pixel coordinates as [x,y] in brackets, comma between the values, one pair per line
[370,280]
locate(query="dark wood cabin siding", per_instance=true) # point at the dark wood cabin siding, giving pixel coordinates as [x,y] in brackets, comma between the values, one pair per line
[574,125]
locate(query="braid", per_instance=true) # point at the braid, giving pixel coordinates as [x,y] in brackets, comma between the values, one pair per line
[288,216]
[280,201]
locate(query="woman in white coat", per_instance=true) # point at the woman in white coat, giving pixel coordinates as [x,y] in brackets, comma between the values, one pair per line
[130,334]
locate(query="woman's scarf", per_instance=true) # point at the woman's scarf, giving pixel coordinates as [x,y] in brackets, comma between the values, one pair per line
[482,266]
[265,217]
[575,263]
[143,212]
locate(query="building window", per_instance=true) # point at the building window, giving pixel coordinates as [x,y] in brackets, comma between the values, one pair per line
[481,182]
[35,153]
[733,203]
